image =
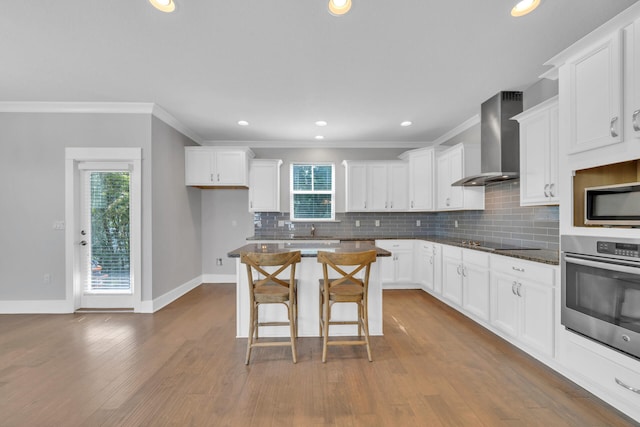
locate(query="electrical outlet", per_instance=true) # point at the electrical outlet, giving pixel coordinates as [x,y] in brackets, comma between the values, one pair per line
[455,223]
[357,223]
[418,223]
[46,279]
[218,261]
[58,225]
[377,223]
[280,223]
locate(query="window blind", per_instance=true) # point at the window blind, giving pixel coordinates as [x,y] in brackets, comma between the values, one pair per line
[312,192]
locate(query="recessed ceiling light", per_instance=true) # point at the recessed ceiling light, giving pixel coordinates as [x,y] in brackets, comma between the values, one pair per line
[406,123]
[339,7]
[321,123]
[164,5]
[524,6]
[319,137]
[243,123]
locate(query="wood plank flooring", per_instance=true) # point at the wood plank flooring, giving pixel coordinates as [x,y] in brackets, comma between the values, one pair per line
[183,366]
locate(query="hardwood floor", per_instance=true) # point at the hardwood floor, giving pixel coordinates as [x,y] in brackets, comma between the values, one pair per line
[183,366]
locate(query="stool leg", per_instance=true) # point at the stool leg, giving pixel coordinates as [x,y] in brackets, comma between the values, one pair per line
[251,332]
[292,331]
[365,325]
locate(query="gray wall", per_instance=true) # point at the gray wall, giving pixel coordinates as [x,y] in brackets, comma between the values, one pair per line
[226,224]
[32,186]
[176,214]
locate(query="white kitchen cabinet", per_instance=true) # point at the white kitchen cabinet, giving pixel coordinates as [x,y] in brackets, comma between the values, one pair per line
[421,179]
[539,154]
[522,302]
[396,271]
[633,78]
[595,95]
[465,280]
[210,167]
[451,165]
[376,186]
[264,185]
[428,266]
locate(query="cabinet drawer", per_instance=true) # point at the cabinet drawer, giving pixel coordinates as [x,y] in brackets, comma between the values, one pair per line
[524,269]
[476,257]
[395,245]
[596,368]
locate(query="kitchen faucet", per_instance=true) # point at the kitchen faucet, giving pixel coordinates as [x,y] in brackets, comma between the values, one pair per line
[313,230]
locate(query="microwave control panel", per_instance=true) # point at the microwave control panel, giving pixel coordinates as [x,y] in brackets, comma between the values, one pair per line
[620,249]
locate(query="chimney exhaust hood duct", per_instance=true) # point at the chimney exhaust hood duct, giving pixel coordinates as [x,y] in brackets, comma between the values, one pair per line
[499,141]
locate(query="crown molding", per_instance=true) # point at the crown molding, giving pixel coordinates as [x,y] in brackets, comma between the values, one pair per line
[163,115]
[468,124]
[100,108]
[77,107]
[318,144]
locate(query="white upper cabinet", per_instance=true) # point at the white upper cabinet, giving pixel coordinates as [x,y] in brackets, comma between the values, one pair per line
[539,154]
[264,185]
[633,77]
[595,95]
[375,186]
[451,165]
[421,179]
[210,167]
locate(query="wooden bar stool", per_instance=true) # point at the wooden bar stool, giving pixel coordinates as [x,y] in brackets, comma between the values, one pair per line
[272,288]
[347,288]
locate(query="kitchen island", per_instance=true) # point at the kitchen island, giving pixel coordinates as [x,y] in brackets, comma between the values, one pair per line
[308,271]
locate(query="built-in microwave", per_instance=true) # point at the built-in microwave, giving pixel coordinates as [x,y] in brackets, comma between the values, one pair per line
[613,205]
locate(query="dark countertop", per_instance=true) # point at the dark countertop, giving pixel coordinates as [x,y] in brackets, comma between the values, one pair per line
[545,256]
[309,249]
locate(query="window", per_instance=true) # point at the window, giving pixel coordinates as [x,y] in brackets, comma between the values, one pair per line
[312,192]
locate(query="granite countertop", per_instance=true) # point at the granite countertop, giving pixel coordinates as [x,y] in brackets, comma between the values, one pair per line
[310,249]
[545,256]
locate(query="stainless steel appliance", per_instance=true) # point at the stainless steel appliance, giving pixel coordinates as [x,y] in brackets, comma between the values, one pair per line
[613,205]
[499,141]
[601,290]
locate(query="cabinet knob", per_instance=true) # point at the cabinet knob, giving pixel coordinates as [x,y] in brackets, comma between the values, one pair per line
[614,132]
[636,125]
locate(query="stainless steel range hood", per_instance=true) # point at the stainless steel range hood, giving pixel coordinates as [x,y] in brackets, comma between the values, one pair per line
[499,141]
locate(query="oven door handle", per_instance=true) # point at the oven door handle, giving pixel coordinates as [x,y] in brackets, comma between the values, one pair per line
[587,262]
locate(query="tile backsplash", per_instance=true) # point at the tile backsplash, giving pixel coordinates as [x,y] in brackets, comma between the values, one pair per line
[503,220]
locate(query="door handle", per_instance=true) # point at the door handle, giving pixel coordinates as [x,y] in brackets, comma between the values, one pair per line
[614,133]
[636,125]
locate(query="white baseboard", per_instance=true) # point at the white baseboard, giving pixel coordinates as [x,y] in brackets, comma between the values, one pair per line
[219,278]
[169,297]
[35,307]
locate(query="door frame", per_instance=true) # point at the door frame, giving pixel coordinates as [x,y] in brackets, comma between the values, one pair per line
[73,156]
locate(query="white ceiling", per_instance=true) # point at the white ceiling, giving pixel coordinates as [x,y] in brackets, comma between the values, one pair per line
[284,64]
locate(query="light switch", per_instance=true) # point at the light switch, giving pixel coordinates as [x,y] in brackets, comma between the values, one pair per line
[58,225]
[357,223]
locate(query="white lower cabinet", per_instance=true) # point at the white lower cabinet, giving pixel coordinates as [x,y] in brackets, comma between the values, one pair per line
[522,302]
[610,375]
[396,271]
[427,266]
[465,280]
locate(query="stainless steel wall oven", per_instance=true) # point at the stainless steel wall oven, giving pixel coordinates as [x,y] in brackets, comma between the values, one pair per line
[601,290]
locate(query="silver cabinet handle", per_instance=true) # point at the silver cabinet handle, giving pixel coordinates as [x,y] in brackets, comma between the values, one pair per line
[464,272]
[614,133]
[513,287]
[251,205]
[448,201]
[458,269]
[518,289]
[551,190]
[430,260]
[365,205]
[211,177]
[546,193]
[636,125]
[628,387]
[518,269]
[391,205]
[412,204]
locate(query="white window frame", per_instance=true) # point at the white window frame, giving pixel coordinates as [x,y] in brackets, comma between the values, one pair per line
[332,192]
